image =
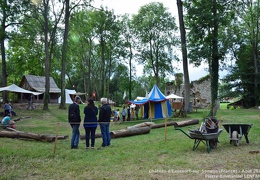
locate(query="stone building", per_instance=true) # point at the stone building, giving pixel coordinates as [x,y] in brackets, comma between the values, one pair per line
[200,93]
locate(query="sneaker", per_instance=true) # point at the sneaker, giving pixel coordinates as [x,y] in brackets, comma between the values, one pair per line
[87,147]
[92,147]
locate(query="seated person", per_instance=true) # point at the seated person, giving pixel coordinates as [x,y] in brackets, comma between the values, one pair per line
[7,122]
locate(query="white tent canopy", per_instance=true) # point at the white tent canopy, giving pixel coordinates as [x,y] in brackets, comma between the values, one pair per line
[68,92]
[173,96]
[15,88]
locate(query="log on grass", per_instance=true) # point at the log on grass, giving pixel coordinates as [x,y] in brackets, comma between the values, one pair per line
[18,119]
[130,132]
[186,123]
[29,135]
[141,125]
[172,123]
[62,137]
[97,135]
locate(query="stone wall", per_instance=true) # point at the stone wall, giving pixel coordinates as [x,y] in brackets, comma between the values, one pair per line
[200,94]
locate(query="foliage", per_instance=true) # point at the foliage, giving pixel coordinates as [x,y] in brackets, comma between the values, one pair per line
[207,21]
[244,76]
[154,28]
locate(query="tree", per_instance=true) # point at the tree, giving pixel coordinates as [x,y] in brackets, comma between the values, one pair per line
[11,12]
[128,47]
[64,52]
[154,28]
[206,20]
[184,57]
[244,34]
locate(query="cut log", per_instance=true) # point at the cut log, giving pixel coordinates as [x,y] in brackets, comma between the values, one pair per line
[186,123]
[130,132]
[18,119]
[62,137]
[172,123]
[141,125]
[29,135]
[97,135]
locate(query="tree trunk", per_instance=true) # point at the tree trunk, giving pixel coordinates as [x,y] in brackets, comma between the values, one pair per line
[215,63]
[186,123]
[130,132]
[185,59]
[64,53]
[29,135]
[2,39]
[130,72]
[155,126]
[47,58]
[103,75]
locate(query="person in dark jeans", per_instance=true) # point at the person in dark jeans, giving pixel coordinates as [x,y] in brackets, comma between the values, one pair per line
[90,122]
[104,121]
[74,120]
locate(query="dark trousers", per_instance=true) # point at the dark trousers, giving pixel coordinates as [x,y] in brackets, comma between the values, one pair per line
[90,132]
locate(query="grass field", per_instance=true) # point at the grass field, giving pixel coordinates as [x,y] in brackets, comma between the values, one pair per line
[147,156]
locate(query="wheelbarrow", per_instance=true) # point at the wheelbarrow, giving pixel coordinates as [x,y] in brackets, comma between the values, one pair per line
[209,139]
[236,132]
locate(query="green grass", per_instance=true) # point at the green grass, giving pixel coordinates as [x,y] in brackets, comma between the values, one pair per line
[146,156]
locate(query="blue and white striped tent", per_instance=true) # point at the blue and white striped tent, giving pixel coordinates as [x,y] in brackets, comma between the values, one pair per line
[155,106]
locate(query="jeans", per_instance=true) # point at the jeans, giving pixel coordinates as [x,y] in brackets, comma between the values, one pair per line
[75,135]
[90,131]
[104,127]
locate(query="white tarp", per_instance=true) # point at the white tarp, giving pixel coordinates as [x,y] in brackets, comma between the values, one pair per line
[173,96]
[68,92]
[14,88]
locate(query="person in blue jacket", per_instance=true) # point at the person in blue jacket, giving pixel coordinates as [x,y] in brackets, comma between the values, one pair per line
[90,122]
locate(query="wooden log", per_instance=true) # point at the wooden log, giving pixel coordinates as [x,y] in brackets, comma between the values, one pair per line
[97,135]
[171,123]
[141,125]
[18,119]
[130,132]
[29,135]
[186,123]
[63,137]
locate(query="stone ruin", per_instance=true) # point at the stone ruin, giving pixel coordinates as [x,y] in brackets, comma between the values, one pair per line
[200,94]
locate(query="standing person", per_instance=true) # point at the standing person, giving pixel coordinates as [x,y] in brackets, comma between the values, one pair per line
[90,122]
[118,115]
[104,120]
[30,101]
[136,111]
[123,113]
[128,113]
[115,116]
[74,120]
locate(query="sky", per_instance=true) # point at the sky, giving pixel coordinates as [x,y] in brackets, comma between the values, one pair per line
[132,7]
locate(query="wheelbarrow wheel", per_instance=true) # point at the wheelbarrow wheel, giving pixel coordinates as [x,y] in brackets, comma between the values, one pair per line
[213,143]
[235,139]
